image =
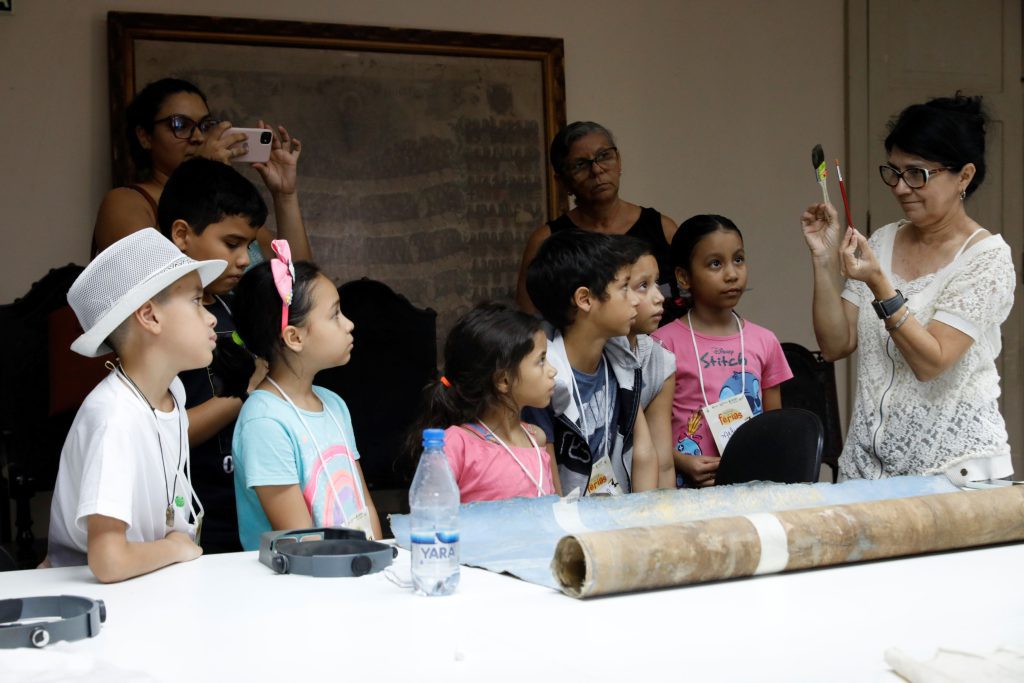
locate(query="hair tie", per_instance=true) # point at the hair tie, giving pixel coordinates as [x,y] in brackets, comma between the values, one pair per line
[283,271]
[445,382]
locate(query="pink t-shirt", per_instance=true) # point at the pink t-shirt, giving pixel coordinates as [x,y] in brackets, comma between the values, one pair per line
[720,362]
[485,471]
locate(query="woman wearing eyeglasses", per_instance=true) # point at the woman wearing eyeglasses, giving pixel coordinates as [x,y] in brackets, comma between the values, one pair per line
[168,122]
[922,301]
[588,163]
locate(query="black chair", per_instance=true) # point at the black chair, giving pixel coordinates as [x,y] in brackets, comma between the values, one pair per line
[813,388]
[44,384]
[7,563]
[781,445]
[395,356]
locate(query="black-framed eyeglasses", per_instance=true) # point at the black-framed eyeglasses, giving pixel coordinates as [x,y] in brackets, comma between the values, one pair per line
[913,176]
[605,158]
[182,126]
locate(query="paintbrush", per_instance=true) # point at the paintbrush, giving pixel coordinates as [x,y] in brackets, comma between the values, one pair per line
[846,201]
[820,171]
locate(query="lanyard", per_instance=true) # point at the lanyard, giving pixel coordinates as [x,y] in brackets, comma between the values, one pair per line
[223,303]
[183,475]
[320,454]
[696,355]
[578,397]
[540,461]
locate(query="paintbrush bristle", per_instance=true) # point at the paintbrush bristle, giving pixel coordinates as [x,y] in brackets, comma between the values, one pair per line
[817,156]
[818,161]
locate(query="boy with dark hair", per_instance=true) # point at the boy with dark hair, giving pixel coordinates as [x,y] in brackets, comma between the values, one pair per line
[596,430]
[202,193]
[123,501]
[210,210]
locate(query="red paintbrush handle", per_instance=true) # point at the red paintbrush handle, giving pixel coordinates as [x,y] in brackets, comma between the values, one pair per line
[846,204]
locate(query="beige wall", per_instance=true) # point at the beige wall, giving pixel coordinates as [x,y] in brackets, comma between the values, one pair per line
[715,104]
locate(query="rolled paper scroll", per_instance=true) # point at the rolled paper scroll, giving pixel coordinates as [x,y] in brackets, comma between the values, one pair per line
[625,560]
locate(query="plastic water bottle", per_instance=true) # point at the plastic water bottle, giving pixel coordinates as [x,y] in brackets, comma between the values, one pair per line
[434,528]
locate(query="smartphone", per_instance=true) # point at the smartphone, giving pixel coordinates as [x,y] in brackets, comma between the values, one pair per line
[259,141]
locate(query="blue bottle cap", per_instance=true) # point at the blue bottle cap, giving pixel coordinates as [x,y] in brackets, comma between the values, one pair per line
[433,437]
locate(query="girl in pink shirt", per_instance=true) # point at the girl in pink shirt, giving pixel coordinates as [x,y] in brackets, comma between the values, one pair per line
[719,355]
[495,365]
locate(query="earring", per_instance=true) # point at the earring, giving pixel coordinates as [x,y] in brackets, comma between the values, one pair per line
[963,195]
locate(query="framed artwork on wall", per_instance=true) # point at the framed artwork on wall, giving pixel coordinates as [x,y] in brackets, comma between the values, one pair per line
[424,161]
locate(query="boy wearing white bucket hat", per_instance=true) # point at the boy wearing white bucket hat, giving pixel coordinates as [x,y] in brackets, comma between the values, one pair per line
[123,502]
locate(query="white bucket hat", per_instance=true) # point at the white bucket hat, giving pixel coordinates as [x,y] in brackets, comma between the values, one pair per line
[122,278]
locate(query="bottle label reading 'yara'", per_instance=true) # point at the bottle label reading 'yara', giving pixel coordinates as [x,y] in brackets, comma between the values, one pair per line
[428,548]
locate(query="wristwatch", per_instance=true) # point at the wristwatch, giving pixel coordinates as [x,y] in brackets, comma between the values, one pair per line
[886,308]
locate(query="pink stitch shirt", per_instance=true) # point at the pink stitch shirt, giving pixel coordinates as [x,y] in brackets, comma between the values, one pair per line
[720,362]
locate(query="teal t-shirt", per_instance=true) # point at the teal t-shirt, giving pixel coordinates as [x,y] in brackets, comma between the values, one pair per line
[255,255]
[271,446]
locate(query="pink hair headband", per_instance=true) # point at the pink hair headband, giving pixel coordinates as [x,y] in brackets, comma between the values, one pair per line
[283,271]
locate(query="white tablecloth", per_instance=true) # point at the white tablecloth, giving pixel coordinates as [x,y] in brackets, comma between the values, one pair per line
[229,618]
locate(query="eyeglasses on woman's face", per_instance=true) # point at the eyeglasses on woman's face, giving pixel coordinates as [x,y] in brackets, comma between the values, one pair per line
[913,176]
[182,126]
[605,158]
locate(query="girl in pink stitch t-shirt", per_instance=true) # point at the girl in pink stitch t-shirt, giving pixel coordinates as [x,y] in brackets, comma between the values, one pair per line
[495,365]
[718,353]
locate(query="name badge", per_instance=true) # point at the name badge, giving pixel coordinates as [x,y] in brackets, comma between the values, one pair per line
[195,531]
[725,417]
[361,522]
[602,479]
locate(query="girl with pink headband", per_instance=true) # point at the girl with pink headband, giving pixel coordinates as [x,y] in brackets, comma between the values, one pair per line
[296,463]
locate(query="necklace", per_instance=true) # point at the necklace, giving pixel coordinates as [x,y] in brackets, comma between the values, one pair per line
[539,483]
[696,355]
[168,486]
[217,297]
[611,221]
[349,461]
[577,396]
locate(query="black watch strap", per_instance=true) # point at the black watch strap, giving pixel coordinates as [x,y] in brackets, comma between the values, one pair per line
[888,307]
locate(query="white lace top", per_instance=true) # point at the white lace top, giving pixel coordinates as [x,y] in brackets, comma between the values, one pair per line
[903,426]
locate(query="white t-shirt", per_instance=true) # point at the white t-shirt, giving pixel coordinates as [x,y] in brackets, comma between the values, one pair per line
[111,465]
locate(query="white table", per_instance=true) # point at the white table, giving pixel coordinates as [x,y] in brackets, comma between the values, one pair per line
[229,618]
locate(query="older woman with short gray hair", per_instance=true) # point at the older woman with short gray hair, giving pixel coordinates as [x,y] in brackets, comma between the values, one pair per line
[588,164]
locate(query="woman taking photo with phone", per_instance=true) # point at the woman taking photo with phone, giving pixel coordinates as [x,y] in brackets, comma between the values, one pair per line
[168,122]
[922,302]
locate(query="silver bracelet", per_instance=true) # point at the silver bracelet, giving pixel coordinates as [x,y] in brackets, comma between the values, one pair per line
[899,323]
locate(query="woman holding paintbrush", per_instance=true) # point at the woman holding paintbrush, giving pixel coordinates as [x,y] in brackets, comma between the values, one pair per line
[922,301]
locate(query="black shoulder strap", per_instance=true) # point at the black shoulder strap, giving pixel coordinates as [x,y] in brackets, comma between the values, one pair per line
[561,223]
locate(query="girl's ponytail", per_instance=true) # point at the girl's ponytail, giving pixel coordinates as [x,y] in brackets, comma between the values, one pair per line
[441,407]
[491,338]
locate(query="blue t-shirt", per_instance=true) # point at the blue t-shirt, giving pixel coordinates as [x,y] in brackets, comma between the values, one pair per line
[593,391]
[272,446]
